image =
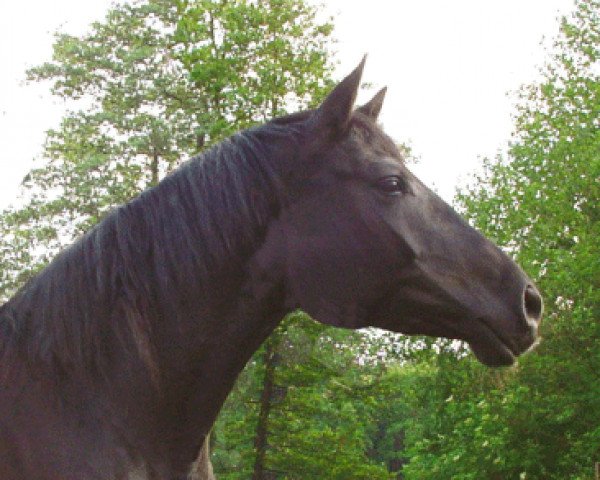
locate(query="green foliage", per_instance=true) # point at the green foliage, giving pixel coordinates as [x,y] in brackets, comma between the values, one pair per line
[152,89]
[539,420]
[245,56]
[322,411]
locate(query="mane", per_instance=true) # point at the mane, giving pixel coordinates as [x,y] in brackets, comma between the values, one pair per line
[168,245]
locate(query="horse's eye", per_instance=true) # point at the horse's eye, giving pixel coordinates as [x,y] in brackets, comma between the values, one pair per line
[392,185]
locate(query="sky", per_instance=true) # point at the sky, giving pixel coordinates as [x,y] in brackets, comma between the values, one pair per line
[450,68]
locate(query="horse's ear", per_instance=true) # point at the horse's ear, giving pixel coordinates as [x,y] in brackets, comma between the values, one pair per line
[373,107]
[334,114]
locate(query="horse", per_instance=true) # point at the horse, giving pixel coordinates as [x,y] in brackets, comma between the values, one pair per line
[116,358]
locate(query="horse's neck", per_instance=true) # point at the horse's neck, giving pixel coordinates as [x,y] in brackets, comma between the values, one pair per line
[161,417]
[161,425]
[199,377]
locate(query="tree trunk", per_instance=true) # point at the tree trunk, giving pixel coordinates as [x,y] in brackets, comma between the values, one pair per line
[266,399]
[154,168]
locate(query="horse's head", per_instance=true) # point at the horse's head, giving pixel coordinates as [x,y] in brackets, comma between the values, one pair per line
[362,242]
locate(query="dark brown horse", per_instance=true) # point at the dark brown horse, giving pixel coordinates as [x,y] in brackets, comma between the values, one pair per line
[117,357]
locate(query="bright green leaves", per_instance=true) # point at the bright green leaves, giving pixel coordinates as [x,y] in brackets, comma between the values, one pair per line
[251,61]
[151,85]
[323,410]
[542,203]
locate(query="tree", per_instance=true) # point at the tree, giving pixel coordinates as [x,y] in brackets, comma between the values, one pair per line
[541,203]
[155,88]
[245,58]
[310,407]
[130,131]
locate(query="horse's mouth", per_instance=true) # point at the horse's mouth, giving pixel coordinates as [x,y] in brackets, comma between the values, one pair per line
[492,349]
[490,345]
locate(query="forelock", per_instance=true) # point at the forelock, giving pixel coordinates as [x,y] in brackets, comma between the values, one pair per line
[368,133]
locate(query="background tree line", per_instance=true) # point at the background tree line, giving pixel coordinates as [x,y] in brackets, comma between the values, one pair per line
[159,80]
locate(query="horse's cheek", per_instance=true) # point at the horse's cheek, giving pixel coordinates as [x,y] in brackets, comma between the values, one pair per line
[333,281]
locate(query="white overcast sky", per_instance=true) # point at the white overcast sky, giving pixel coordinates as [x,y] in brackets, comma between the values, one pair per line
[448,66]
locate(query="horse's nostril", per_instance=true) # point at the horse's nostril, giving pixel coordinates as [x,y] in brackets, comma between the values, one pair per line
[532,304]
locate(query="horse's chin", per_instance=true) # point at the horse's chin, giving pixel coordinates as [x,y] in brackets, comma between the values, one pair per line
[498,355]
[489,348]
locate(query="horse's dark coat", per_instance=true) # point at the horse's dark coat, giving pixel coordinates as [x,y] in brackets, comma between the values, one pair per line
[120,353]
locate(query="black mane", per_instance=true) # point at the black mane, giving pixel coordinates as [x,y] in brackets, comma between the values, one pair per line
[170,243]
